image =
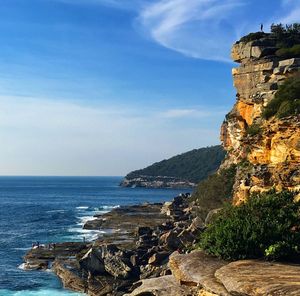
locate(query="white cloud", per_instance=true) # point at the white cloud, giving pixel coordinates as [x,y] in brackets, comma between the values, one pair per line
[50,137]
[196,28]
[120,4]
[190,113]
[293,12]
[206,29]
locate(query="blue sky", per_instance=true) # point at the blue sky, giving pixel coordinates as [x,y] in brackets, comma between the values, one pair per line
[102,87]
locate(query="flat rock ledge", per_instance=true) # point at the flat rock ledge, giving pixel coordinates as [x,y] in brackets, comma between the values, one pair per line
[259,278]
[239,278]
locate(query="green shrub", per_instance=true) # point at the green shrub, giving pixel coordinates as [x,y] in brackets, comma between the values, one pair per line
[292,52]
[265,226]
[281,36]
[286,101]
[253,129]
[212,192]
[253,36]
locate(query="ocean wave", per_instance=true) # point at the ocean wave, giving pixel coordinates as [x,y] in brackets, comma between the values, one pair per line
[110,207]
[56,211]
[84,234]
[82,208]
[22,249]
[85,219]
[22,266]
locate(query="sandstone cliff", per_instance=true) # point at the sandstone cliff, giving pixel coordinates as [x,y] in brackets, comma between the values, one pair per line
[270,156]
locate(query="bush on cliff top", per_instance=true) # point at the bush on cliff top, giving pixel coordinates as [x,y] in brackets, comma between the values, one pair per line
[292,52]
[286,101]
[268,225]
[212,192]
[284,36]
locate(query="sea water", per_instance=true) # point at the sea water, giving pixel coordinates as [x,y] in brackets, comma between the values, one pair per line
[54,209]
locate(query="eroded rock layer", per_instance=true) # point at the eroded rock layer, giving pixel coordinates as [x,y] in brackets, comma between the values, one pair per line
[270,156]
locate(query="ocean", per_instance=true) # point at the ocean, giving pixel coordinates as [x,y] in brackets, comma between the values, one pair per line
[53,209]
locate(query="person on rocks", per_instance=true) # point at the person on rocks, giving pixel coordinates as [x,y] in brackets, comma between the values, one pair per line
[261,27]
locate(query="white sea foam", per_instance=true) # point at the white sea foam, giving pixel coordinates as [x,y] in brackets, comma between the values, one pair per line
[82,208]
[84,215]
[84,219]
[22,249]
[110,207]
[22,266]
[87,234]
[56,211]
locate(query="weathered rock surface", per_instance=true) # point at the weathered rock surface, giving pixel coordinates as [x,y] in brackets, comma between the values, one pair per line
[197,269]
[273,153]
[258,278]
[162,286]
[69,275]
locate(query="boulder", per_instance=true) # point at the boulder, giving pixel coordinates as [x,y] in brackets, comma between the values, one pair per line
[162,286]
[144,231]
[197,269]
[260,278]
[170,240]
[69,277]
[186,238]
[92,262]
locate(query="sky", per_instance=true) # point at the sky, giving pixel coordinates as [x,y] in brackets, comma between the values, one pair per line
[103,87]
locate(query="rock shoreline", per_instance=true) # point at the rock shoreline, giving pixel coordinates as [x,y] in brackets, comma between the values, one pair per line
[138,242]
[145,253]
[157,182]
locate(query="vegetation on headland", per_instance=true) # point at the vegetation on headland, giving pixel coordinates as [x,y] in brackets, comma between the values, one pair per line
[284,36]
[286,101]
[212,192]
[193,166]
[267,225]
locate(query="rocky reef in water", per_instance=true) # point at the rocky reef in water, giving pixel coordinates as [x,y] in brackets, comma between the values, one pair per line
[156,182]
[267,151]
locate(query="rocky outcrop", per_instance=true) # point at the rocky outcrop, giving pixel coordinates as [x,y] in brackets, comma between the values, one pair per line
[270,156]
[156,182]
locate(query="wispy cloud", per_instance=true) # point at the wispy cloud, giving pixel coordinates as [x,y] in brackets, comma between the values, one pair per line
[120,4]
[190,113]
[292,14]
[196,28]
[43,136]
[203,29]
[206,29]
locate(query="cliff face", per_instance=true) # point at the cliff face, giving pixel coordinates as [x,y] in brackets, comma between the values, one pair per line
[269,156]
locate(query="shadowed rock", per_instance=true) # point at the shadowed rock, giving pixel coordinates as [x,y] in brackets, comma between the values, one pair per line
[162,286]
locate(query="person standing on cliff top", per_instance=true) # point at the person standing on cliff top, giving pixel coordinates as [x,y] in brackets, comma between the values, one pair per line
[261,27]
